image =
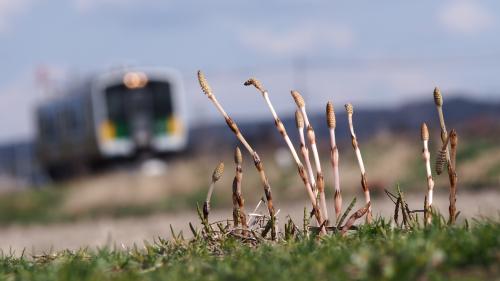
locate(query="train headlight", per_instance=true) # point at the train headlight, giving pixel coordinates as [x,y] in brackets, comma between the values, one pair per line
[135,80]
[108,130]
[174,126]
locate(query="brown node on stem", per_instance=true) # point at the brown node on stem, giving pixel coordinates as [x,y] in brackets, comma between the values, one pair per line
[438,98]
[444,136]
[256,83]
[232,125]
[453,144]
[311,135]
[204,84]
[218,172]
[424,131]
[299,120]
[299,100]
[280,127]
[330,115]
[349,109]
[302,174]
[453,138]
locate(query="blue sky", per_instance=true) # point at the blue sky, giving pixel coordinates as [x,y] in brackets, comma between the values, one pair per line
[371,53]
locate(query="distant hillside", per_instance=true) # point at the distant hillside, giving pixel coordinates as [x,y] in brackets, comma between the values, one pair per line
[17,160]
[469,116]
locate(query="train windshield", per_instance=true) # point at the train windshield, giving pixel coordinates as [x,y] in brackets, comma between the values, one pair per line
[142,111]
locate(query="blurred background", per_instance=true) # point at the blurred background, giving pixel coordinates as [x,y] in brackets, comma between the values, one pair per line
[105,136]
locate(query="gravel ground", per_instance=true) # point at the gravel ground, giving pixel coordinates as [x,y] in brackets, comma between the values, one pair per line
[129,231]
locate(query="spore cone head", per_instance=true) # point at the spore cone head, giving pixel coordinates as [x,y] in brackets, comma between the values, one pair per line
[330,115]
[438,98]
[349,109]
[218,172]
[424,132]
[204,84]
[256,83]
[299,100]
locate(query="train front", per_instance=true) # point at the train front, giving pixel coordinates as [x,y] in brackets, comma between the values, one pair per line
[139,111]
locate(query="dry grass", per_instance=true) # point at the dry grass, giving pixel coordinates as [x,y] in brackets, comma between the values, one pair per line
[473,170]
[134,188]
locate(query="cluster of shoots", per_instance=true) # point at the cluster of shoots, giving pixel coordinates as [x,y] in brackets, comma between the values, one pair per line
[254,226]
[447,155]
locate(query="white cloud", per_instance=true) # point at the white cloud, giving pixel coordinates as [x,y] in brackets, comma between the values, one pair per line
[302,38]
[9,9]
[465,17]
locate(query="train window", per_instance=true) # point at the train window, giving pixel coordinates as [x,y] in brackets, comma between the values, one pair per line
[115,103]
[120,99]
[118,106]
[162,99]
[130,109]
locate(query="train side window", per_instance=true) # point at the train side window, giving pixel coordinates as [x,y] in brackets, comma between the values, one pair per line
[72,120]
[48,127]
[79,115]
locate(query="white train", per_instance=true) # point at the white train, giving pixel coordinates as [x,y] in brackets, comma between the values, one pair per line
[116,114]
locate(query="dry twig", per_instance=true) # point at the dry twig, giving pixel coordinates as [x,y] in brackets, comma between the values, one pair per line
[358,214]
[452,173]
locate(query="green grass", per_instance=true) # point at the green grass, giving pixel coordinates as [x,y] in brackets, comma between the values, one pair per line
[173,203]
[30,206]
[46,206]
[374,252]
[472,148]
[494,171]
